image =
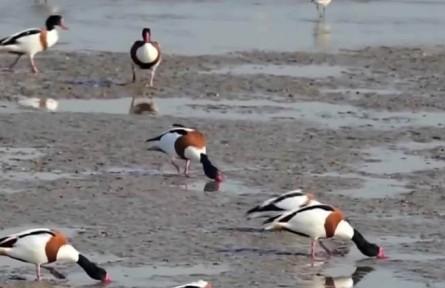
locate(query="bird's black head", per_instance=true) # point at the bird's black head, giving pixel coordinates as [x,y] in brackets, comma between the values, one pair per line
[211,171]
[367,248]
[146,34]
[53,21]
[93,270]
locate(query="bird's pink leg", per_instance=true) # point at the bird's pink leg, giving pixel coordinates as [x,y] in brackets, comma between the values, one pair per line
[37,272]
[153,73]
[313,243]
[325,248]
[15,62]
[187,168]
[33,65]
[176,166]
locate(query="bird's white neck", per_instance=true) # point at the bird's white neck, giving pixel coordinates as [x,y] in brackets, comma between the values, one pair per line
[344,230]
[67,253]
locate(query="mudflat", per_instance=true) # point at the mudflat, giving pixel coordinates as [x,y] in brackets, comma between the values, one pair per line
[361,129]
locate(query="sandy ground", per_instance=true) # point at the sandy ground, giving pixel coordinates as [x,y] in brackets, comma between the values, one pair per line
[151,228]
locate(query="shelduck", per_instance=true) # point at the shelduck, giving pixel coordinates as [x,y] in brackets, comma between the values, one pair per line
[146,54]
[196,284]
[322,222]
[323,4]
[42,245]
[283,203]
[32,41]
[187,144]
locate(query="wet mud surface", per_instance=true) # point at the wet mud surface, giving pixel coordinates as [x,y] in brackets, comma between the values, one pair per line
[365,135]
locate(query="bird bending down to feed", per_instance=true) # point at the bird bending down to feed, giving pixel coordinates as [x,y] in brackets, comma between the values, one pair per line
[196,284]
[187,144]
[323,4]
[43,245]
[285,202]
[146,54]
[32,41]
[322,222]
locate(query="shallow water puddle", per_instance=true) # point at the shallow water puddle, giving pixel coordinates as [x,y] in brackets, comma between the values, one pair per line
[306,71]
[12,157]
[372,187]
[151,276]
[329,115]
[387,160]
[362,276]
[227,186]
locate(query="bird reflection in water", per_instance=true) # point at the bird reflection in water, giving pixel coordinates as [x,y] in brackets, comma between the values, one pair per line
[342,281]
[212,186]
[209,186]
[322,35]
[144,105]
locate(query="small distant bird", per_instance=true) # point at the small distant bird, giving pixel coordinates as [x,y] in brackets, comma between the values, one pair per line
[197,284]
[322,222]
[42,245]
[32,41]
[285,202]
[323,4]
[146,54]
[187,144]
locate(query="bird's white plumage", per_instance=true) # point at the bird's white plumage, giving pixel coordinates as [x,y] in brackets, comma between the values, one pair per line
[311,222]
[284,203]
[197,284]
[194,153]
[147,53]
[29,248]
[32,248]
[30,44]
[67,253]
[323,3]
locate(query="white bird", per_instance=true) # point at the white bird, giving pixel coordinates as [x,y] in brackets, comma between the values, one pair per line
[283,203]
[321,222]
[146,54]
[323,4]
[32,41]
[196,284]
[42,245]
[187,144]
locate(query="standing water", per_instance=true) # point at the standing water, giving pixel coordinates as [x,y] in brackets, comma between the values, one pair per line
[208,27]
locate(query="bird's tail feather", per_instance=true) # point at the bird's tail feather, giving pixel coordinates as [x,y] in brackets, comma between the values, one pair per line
[274,226]
[4,251]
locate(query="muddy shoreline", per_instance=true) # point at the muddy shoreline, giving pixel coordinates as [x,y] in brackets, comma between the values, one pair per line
[363,131]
